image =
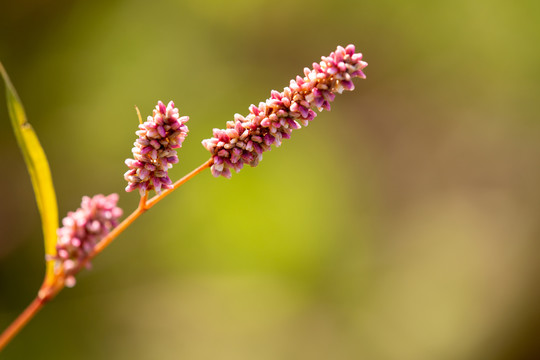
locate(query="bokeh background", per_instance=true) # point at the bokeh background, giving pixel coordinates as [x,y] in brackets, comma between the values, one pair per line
[402,225]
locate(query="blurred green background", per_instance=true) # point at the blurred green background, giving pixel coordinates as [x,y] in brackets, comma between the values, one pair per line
[402,225]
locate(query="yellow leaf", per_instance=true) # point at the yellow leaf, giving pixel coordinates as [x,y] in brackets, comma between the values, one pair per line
[39,170]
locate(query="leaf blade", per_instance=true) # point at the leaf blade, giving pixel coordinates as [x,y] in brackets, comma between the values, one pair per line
[38,167]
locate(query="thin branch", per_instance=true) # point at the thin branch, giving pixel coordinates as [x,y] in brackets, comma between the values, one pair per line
[21,321]
[49,290]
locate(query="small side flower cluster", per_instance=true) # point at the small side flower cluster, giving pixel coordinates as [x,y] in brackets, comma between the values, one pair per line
[82,230]
[154,152]
[246,138]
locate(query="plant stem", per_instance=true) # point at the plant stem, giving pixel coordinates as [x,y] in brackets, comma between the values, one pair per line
[21,321]
[153,201]
[143,206]
[48,291]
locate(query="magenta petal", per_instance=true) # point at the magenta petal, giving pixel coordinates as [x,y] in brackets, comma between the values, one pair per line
[329,96]
[258,149]
[254,110]
[226,173]
[161,131]
[162,108]
[247,156]
[157,186]
[215,172]
[303,111]
[145,150]
[359,74]
[218,160]
[268,139]
[326,105]
[144,174]
[165,180]
[172,159]
[347,84]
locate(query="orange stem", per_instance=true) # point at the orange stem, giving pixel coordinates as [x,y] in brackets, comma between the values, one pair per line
[48,291]
[153,201]
[21,321]
[143,206]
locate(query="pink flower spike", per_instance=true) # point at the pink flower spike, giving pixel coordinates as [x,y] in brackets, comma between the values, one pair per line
[154,150]
[82,230]
[274,119]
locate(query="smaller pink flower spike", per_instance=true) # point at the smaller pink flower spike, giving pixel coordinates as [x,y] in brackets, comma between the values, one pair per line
[82,230]
[155,149]
[246,138]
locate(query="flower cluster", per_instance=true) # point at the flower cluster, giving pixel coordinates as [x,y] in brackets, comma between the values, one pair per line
[154,152]
[82,230]
[246,138]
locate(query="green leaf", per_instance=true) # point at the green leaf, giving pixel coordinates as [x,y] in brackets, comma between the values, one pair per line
[39,170]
